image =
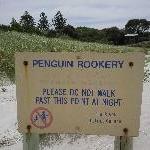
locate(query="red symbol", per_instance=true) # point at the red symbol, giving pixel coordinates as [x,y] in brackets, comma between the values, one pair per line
[41,117]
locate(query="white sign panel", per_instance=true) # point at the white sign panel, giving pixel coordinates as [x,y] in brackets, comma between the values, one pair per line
[79,92]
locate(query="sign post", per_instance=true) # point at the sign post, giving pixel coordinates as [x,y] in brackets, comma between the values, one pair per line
[31,141]
[82,92]
[123,143]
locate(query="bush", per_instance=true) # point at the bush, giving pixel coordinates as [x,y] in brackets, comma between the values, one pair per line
[4,27]
[114,36]
[51,33]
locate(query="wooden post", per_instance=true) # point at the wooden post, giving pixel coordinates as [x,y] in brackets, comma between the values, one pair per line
[123,143]
[31,141]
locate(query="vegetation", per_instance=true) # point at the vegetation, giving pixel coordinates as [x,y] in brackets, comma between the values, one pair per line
[43,24]
[59,27]
[144,44]
[65,38]
[137,26]
[27,22]
[59,22]
[11,42]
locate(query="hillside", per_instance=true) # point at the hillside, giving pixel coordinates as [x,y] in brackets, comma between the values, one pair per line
[11,42]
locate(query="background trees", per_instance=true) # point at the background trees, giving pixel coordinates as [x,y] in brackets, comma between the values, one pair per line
[43,24]
[70,31]
[15,25]
[59,22]
[112,35]
[140,27]
[27,22]
[137,26]
[90,34]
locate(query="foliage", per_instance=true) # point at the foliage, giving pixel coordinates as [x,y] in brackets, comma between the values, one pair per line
[108,35]
[59,22]
[89,34]
[114,35]
[4,27]
[147,72]
[12,42]
[111,35]
[144,44]
[138,26]
[43,24]
[27,22]
[15,25]
[51,33]
[70,31]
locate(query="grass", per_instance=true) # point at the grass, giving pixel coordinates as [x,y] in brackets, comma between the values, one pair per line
[11,42]
[144,44]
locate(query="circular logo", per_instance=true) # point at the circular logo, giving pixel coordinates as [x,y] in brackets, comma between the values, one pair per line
[41,117]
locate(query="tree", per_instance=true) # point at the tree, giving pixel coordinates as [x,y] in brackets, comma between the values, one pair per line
[59,22]
[27,22]
[137,26]
[114,35]
[4,27]
[43,24]
[89,34]
[13,22]
[70,31]
[51,33]
[15,25]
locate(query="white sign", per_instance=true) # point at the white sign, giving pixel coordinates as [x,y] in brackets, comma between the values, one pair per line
[80,92]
